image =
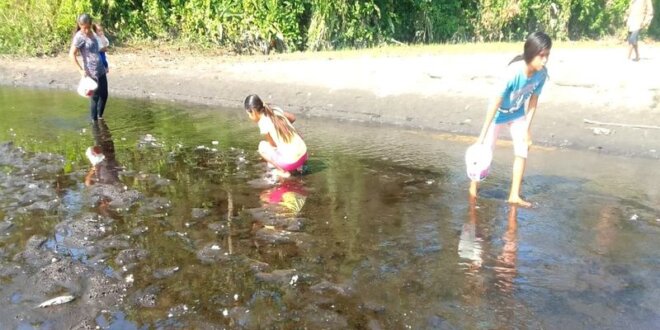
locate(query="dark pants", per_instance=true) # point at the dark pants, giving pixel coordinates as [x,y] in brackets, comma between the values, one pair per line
[98,100]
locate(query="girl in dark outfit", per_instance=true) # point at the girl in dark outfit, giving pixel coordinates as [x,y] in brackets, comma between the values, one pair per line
[84,43]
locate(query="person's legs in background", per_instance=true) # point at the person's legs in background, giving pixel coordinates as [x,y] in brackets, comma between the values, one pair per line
[633,38]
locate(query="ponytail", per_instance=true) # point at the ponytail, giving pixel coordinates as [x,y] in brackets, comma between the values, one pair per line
[536,42]
[282,125]
[519,57]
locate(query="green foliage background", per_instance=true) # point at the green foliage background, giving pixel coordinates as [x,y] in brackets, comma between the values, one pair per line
[46,26]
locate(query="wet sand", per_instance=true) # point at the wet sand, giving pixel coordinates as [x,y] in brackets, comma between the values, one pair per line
[596,99]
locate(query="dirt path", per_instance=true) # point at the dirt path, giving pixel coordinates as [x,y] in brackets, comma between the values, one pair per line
[446,92]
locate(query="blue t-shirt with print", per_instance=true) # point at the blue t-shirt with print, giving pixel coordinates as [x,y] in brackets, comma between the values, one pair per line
[517,91]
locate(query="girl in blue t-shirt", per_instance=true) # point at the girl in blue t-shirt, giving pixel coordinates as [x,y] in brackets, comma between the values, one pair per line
[514,106]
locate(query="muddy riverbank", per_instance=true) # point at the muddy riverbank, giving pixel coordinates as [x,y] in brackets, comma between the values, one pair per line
[596,99]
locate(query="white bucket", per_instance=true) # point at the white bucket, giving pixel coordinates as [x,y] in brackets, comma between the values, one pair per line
[87,86]
[477,161]
[94,157]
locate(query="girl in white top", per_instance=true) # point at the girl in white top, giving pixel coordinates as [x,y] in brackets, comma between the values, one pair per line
[283,147]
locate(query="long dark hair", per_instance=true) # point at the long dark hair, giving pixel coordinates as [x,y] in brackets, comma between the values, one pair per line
[536,42]
[282,125]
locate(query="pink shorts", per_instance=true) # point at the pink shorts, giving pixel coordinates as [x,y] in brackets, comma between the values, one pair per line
[277,157]
[292,166]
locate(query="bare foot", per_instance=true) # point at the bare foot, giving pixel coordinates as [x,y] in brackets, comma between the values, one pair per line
[519,201]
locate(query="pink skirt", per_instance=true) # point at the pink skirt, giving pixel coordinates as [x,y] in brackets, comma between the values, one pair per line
[292,166]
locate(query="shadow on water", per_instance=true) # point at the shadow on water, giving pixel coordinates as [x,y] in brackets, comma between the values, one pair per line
[314,166]
[163,216]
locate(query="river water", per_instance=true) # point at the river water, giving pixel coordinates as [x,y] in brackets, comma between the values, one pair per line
[182,227]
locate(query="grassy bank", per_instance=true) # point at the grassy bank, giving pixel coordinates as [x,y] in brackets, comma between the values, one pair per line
[36,27]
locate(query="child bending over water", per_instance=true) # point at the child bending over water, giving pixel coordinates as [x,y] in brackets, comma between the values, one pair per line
[283,147]
[514,106]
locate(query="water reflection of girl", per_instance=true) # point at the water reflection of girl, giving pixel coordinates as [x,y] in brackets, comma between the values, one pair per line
[469,244]
[289,194]
[470,252]
[481,290]
[505,269]
[105,168]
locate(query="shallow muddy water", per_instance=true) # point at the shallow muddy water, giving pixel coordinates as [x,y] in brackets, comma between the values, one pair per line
[181,227]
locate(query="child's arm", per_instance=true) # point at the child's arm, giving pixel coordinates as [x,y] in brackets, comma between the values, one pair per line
[291,117]
[270,140]
[105,43]
[490,115]
[531,111]
[73,54]
[649,14]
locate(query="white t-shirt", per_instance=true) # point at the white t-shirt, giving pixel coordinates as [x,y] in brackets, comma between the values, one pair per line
[291,151]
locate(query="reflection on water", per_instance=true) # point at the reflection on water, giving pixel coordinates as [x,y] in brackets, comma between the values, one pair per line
[469,246]
[489,261]
[172,211]
[105,168]
[290,195]
[506,261]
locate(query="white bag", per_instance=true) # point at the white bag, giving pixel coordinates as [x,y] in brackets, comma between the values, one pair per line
[94,156]
[477,161]
[87,86]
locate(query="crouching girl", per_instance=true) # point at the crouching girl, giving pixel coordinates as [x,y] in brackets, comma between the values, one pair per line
[282,147]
